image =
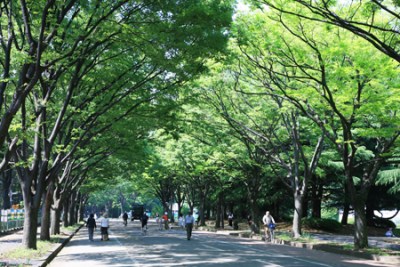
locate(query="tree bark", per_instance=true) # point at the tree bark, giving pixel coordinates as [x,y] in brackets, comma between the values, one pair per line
[29,237]
[65,213]
[72,209]
[298,211]
[360,223]
[55,222]
[45,220]
[7,181]
[316,192]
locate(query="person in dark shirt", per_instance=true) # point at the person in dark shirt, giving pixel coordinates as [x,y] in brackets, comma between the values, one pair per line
[144,220]
[125,218]
[91,225]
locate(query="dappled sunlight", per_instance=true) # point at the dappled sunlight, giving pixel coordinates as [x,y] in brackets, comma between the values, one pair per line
[127,247]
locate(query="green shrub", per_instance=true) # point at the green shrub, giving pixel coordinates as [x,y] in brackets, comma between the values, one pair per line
[330,213]
[322,224]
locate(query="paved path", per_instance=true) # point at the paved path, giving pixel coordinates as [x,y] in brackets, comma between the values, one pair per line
[128,247]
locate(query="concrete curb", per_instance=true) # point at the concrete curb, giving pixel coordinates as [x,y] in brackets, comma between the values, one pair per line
[53,253]
[322,247]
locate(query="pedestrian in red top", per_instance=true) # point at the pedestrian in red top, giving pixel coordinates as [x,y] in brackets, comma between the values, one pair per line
[165,219]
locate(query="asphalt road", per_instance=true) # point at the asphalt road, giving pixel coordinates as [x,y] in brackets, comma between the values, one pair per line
[128,247]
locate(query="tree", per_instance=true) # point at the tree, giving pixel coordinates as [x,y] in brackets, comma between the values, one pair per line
[85,39]
[342,90]
[375,21]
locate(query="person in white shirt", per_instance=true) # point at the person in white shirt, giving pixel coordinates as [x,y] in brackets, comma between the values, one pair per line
[230,219]
[181,221]
[189,221]
[269,224]
[104,225]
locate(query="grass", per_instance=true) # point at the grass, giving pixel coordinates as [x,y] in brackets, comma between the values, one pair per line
[43,247]
[71,228]
[23,253]
[305,238]
[371,250]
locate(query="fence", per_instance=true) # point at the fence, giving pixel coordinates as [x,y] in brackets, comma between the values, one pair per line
[11,219]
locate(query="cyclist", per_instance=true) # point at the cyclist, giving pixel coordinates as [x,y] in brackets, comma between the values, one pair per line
[144,220]
[125,218]
[269,226]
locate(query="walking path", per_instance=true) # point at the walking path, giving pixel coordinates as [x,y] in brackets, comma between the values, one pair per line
[93,253]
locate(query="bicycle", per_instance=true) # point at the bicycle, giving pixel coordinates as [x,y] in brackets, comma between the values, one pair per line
[269,234]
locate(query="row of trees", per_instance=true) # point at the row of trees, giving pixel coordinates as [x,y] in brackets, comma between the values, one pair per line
[301,109]
[78,79]
[307,99]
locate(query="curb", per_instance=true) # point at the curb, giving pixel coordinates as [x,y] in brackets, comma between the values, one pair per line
[47,259]
[322,247]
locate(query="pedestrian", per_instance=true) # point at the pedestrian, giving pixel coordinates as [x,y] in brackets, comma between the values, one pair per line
[230,219]
[159,221]
[104,225]
[165,220]
[269,224]
[181,221]
[91,225]
[125,218]
[144,221]
[389,233]
[189,221]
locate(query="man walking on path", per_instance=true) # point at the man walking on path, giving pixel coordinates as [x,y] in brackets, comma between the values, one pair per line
[189,221]
[91,225]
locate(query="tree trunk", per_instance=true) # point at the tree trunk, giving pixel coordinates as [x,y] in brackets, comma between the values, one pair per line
[65,213]
[82,203]
[29,236]
[218,215]
[71,210]
[346,206]
[316,192]
[360,223]
[298,211]
[202,209]
[7,180]
[45,222]
[55,222]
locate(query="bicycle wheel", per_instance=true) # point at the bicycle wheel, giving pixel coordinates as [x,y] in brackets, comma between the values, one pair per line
[272,235]
[266,235]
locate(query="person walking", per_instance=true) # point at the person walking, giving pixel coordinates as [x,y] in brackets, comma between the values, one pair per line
[125,218]
[181,221]
[144,220]
[159,221]
[104,225]
[165,220]
[230,219]
[269,226]
[91,225]
[189,221]
[389,233]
